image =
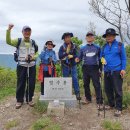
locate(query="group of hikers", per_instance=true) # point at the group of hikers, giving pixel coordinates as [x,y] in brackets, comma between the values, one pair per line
[111,59]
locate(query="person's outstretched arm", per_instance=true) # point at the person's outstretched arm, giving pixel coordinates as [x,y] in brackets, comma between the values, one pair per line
[9,41]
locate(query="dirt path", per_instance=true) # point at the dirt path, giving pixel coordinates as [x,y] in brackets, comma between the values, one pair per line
[87,119]
[75,119]
[24,116]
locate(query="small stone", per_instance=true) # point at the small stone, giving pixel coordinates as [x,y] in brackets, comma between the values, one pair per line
[70,124]
[7,105]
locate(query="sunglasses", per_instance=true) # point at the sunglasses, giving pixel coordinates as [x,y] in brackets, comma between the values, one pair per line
[50,44]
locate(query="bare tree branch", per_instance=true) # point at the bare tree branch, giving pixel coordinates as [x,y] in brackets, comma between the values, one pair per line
[112,12]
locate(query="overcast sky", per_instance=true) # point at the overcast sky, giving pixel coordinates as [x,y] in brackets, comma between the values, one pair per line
[49,19]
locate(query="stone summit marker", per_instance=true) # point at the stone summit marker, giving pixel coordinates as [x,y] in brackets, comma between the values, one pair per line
[59,89]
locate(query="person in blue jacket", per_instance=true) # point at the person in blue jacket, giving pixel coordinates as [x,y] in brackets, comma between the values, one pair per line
[90,56]
[113,56]
[48,60]
[67,54]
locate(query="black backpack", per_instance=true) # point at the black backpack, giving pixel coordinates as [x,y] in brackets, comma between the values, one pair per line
[17,47]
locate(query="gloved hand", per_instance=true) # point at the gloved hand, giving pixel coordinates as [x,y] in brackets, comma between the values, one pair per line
[103,61]
[70,56]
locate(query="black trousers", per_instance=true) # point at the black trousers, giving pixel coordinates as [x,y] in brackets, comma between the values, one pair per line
[92,72]
[46,74]
[113,87]
[22,83]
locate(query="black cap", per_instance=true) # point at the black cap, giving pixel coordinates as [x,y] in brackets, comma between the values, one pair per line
[50,42]
[90,34]
[67,34]
[110,31]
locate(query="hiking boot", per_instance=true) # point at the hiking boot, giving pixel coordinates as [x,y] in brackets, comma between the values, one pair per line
[108,107]
[100,107]
[117,113]
[18,105]
[78,97]
[85,101]
[31,104]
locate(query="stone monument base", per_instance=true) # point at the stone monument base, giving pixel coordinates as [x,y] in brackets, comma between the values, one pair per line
[69,102]
[56,110]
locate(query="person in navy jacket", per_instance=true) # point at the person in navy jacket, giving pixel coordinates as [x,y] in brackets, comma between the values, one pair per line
[90,57]
[113,56]
[67,54]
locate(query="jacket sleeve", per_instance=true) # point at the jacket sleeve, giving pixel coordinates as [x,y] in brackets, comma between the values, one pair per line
[54,58]
[123,57]
[99,57]
[75,52]
[80,56]
[41,56]
[9,41]
[62,54]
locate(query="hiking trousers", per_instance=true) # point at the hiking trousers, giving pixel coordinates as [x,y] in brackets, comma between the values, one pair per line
[45,74]
[113,87]
[92,72]
[22,83]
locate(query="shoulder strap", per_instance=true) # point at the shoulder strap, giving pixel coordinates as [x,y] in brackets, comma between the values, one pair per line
[119,46]
[19,42]
[35,46]
[103,49]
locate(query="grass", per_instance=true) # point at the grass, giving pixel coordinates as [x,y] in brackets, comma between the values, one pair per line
[6,91]
[11,124]
[40,107]
[126,100]
[45,123]
[110,125]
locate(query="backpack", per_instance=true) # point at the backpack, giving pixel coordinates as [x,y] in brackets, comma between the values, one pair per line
[17,47]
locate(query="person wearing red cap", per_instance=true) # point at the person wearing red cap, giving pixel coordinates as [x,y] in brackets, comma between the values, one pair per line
[27,50]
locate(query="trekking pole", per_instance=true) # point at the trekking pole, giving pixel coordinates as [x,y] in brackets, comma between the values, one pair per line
[104,109]
[28,81]
[28,61]
[99,109]
[52,67]
[79,94]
